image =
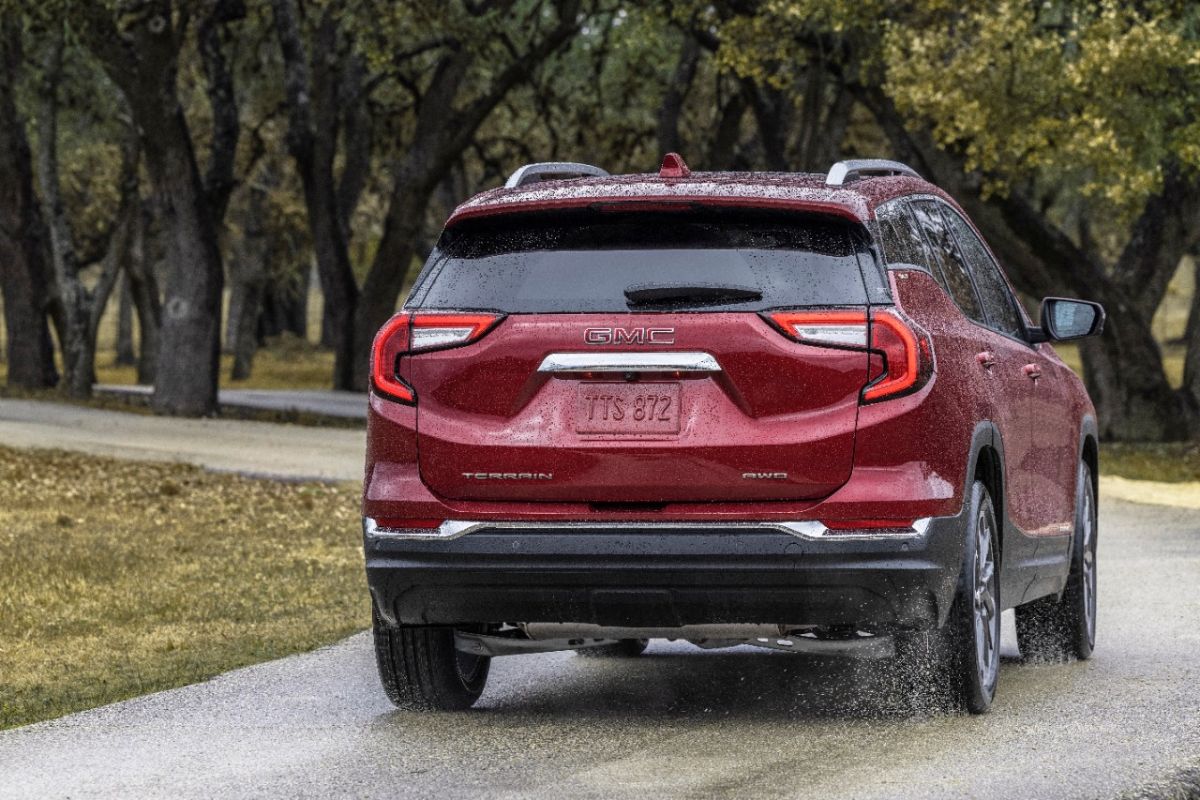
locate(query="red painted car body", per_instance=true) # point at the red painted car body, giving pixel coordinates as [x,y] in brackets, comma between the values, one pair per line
[796,419]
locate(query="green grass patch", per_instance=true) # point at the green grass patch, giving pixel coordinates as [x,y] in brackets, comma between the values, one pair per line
[122,578]
[1172,462]
[285,362]
[1173,356]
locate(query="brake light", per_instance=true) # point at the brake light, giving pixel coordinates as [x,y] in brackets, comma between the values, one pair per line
[903,351]
[907,353]
[407,333]
[390,343]
[830,327]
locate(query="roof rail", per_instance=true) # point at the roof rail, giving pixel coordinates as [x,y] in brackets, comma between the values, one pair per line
[552,171]
[843,172]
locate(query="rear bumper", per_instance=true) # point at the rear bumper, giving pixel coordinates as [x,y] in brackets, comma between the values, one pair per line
[665,575]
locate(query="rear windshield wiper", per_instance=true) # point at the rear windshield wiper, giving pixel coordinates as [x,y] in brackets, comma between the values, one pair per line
[647,294]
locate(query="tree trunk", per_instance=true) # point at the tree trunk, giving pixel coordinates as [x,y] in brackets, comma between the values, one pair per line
[1191,363]
[81,310]
[246,341]
[393,259]
[143,289]
[284,306]
[120,238]
[676,93]
[139,51]
[824,115]
[1165,230]
[125,356]
[311,91]
[23,282]
[219,179]
[77,341]
[77,346]
[357,138]
[189,353]
[331,322]
[722,152]
[234,308]
[249,272]
[773,113]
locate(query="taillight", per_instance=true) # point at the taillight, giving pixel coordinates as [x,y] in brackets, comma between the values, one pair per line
[830,327]
[407,333]
[905,352]
[907,357]
[439,331]
[390,343]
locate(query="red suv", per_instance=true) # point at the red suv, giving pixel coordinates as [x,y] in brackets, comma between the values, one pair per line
[804,412]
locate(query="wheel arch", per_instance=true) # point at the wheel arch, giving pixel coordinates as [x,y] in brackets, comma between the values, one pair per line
[987,465]
[1089,450]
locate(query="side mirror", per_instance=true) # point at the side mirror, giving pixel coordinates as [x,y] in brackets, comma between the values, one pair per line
[1064,319]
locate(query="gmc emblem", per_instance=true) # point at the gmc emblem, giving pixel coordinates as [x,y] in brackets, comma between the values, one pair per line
[629,335]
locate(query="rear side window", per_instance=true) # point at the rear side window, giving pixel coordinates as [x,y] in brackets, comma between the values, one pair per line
[903,242]
[997,299]
[589,261]
[945,251]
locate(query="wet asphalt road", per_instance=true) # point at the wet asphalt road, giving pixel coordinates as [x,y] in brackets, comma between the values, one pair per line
[676,722]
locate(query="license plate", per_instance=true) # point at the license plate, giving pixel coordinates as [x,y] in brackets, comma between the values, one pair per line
[627,408]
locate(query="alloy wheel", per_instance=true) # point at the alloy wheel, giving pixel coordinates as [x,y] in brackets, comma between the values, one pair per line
[986,613]
[1087,518]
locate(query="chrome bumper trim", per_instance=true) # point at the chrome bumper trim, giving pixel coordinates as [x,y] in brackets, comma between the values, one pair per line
[805,529]
[630,362]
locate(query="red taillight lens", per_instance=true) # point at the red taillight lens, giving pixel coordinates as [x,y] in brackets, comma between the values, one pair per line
[390,343]
[907,353]
[835,327]
[416,333]
[903,351]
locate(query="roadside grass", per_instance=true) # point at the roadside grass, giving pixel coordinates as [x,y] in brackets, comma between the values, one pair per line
[122,578]
[1173,356]
[284,362]
[1169,462]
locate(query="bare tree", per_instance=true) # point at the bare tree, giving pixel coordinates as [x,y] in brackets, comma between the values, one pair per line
[311,86]
[447,114]
[75,300]
[444,128]
[138,46]
[23,280]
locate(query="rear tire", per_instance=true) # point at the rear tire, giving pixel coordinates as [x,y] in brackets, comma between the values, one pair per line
[421,670]
[1057,629]
[625,648]
[958,665]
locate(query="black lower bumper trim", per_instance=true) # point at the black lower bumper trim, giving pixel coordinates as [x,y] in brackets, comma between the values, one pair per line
[666,577]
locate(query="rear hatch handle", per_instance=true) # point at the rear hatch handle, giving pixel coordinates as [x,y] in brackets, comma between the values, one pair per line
[630,362]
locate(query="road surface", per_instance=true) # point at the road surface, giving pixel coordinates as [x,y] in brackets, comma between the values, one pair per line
[676,722]
[324,402]
[256,448]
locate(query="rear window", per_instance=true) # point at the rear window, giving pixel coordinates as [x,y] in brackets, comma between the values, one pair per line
[590,261]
